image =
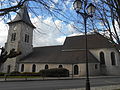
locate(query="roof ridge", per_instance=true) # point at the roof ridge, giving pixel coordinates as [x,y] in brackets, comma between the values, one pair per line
[48,46]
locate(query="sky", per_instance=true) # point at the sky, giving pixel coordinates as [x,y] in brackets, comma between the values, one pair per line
[49,30]
[53,25]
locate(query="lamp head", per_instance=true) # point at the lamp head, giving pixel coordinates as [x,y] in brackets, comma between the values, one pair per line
[77,5]
[91,9]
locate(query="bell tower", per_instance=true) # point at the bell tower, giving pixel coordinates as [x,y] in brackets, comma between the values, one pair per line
[20,36]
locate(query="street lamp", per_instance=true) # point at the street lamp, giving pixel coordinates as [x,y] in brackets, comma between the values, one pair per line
[86,12]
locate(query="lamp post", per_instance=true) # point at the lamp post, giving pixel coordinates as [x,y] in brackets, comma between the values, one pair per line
[86,12]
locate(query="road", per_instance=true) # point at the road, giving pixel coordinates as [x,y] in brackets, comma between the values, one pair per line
[56,84]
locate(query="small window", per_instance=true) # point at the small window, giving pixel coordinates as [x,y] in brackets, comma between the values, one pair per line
[46,67]
[96,66]
[22,68]
[33,68]
[113,62]
[60,66]
[26,38]
[13,37]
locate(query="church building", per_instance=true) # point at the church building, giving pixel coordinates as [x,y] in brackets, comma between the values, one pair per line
[103,55]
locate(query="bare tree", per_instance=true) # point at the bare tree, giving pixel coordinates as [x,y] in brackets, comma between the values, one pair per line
[108,14]
[5,55]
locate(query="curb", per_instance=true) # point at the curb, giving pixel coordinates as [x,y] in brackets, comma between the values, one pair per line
[47,79]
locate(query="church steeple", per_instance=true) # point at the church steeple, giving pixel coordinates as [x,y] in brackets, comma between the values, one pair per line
[20,37]
[22,16]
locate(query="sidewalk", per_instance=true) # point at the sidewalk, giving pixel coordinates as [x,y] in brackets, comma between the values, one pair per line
[110,87]
[54,78]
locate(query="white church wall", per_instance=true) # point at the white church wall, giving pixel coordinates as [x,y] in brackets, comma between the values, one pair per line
[13,44]
[70,67]
[92,69]
[110,69]
[10,45]
[25,47]
[11,63]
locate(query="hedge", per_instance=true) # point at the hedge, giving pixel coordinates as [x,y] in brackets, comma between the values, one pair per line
[55,72]
[16,73]
[2,74]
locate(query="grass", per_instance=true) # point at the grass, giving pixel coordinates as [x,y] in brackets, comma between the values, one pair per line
[20,77]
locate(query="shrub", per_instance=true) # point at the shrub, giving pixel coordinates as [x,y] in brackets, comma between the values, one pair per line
[30,74]
[55,72]
[14,73]
[2,74]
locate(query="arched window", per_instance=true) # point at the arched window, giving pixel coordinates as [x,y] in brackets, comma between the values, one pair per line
[33,68]
[22,68]
[60,66]
[113,62]
[76,70]
[46,66]
[102,58]
[96,66]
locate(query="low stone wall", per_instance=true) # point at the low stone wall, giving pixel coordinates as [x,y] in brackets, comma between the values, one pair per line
[111,87]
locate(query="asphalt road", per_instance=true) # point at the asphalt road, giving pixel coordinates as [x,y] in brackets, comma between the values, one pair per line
[56,84]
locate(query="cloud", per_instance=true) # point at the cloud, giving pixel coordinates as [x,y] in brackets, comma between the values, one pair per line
[61,39]
[75,34]
[3,33]
[56,1]
[46,32]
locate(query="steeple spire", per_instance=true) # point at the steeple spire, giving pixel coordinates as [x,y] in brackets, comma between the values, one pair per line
[22,16]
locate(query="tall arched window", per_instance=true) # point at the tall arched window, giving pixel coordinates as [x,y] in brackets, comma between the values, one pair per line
[46,66]
[113,62]
[102,58]
[22,68]
[33,68]
[76,70]
[60,66]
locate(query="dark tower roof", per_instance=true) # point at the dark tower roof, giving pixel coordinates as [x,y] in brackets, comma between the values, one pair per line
[22,16]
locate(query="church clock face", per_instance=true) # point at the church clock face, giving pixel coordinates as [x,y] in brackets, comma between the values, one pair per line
[15,28]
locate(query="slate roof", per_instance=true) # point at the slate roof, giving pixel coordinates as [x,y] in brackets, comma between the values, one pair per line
[54,55]
[23,16]
[73,51]
[93,41]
